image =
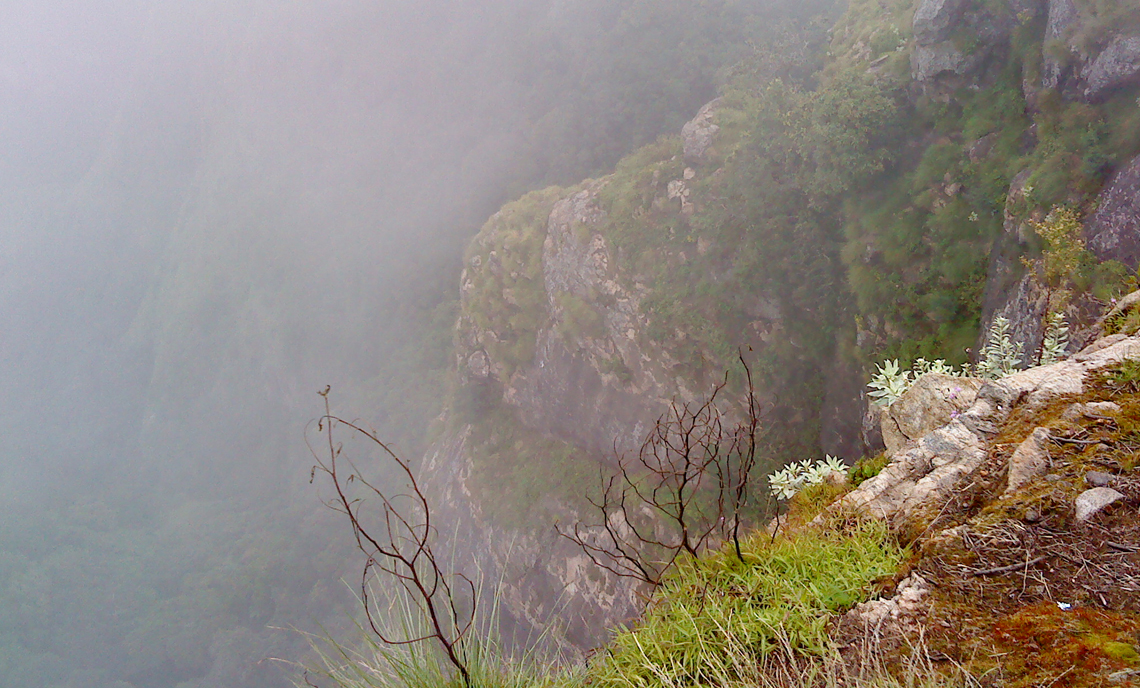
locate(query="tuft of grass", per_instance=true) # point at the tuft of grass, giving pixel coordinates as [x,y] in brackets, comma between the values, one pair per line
[368,662]
[717,619]
[1125,378]
[867,468]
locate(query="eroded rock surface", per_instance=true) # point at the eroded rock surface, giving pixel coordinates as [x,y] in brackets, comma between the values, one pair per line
[919,481]
[1115,67]
[1113,232]
[931,402]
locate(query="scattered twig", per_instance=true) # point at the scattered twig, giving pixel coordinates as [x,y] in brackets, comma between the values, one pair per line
[1011,567]
[689,480]
[1083,443]
[1122,548]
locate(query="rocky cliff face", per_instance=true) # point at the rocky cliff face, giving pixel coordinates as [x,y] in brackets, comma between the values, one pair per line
[568,341]
[555,341]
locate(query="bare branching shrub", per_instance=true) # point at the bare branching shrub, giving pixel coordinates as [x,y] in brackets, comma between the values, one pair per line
[687,484]
[396,535]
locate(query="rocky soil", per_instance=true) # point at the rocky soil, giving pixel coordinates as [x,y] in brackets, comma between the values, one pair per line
[1023,510]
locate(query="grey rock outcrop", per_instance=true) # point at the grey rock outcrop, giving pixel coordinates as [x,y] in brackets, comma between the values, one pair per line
[958,37]
[1116,66]
[699,133]
[1113,232]
[1092,502]
[566,391]
[931,402]
[935,20]
[920,481]
[1062,17]
[930,61]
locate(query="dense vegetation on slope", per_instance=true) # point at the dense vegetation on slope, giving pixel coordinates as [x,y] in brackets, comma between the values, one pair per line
[864,207]
[884,206]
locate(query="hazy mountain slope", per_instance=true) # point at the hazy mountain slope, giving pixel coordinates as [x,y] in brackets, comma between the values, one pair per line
[818,226]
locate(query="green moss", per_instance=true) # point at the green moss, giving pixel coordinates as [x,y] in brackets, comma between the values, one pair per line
[1121,652]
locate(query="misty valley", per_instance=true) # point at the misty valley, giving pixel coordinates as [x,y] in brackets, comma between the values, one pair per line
[563,343]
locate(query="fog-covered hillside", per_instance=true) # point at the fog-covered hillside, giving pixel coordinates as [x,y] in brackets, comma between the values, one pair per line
[209,213]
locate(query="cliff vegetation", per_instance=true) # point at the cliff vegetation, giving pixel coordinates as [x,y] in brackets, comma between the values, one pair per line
[933,167]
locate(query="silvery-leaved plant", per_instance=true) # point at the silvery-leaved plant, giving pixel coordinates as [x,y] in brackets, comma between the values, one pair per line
[1056,339]
[938,366]
[889,384]
[1001,355]
[786,483]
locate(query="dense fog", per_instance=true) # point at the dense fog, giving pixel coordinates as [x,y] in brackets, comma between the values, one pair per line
[208,212]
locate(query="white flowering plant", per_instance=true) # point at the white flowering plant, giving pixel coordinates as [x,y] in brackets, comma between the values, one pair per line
[788,482]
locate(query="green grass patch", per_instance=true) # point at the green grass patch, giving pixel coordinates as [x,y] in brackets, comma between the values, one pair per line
[717,617]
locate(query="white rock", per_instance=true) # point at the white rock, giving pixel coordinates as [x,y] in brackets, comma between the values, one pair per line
[1091,502]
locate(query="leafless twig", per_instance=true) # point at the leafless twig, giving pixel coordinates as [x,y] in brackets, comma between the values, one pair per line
[689,480]
[396,542]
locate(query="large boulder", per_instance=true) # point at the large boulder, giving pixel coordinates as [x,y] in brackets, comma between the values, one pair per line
[1116,66]
[1113,232]
[931,402]
[699,133]
[935,20]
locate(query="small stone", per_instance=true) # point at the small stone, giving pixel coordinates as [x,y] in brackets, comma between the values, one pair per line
[1092,502]
[1097,408]
[1029,461]
[1099,479]
[1053,478]
[1032,516]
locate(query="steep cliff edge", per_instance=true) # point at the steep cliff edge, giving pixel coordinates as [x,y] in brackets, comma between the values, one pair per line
[891,209]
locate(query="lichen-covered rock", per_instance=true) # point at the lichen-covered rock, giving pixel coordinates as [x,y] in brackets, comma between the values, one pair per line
[1116,66]
[931,402]
[1113,232]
